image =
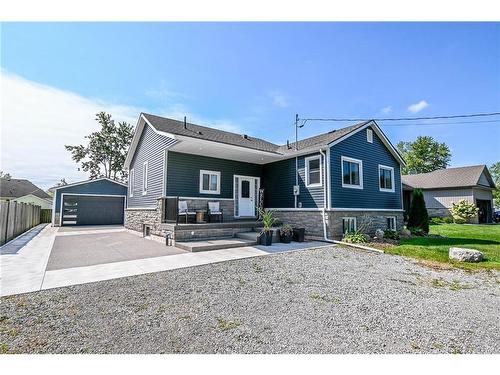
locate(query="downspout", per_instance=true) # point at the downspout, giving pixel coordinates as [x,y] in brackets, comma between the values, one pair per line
[325,235]
[323,211]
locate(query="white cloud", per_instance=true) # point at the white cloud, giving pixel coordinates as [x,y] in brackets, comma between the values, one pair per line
[38,120]
[386,110]
[279,99]
[417,107]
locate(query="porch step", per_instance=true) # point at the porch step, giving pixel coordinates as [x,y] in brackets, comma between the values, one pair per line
[254,236]
[219,244]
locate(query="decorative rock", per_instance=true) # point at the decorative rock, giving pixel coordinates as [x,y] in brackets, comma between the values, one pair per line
[379,233]
[405,233]
[465,255]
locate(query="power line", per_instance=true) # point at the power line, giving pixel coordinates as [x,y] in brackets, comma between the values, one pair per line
[403,118]
[444,123]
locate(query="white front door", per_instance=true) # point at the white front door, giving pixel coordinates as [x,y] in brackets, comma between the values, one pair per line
[246,196]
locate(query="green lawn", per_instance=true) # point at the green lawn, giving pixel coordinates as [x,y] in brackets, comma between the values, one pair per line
[485,238]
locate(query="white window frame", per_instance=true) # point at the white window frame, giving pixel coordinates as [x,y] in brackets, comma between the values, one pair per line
[369,135]
[307,160]
[349,218]
[352,160]
[210,173]
[395,223]
[144,178]
[391,169]
[131,182]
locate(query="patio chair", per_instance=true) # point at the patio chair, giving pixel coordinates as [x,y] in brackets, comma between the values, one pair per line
[183,211]
[214,210]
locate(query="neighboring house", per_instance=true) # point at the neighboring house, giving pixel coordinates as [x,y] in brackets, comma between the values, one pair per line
[24,191]
[100,201]
[444,187]
[330,183]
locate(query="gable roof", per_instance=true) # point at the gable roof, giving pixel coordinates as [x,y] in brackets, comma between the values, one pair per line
[16,188]
[449,178]
[175,129]
[89,181]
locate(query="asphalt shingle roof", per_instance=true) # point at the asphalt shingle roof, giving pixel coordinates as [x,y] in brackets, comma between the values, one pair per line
[202,132]
[15,188]
[448,178]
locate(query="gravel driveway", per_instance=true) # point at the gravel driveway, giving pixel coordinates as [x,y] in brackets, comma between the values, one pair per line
[329,300]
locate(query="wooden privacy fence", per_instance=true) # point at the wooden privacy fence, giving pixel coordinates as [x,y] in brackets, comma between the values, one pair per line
[45,215]
[17,218]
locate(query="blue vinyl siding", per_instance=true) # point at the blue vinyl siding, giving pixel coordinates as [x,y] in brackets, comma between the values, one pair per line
[150,148]
[372,154]
[279,179]
[183,174]
[101,187]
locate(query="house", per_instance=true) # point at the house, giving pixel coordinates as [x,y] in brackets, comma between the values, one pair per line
[100,201]
[24,191]
[330,183]
[444,187]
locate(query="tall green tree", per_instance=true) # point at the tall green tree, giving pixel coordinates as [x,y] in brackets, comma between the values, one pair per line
[424,155]
[495,174]
[105,153]
[418,218]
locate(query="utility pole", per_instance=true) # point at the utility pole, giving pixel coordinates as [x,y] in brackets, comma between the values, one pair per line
[296,131]
[296,158]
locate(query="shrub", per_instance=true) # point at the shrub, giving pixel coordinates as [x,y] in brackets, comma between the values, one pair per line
[447,220]
[436,220]
[418,231]
[286,230]
[391,234]
[355,237]
[418,217]
[463,211]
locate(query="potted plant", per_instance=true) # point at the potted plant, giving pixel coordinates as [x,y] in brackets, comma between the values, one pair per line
[268,220]
[286,233]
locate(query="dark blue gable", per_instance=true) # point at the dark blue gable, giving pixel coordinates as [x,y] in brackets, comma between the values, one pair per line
[96,187]
[372,154]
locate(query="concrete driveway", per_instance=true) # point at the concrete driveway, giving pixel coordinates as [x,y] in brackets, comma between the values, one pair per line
[81,247]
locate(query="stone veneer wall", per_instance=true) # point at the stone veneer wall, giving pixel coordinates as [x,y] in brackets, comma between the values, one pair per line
[312,221]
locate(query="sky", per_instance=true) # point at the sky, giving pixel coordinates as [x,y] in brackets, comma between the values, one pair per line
[244,77]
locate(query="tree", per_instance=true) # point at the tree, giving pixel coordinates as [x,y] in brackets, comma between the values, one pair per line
[61,182]
[418,218]
[424,155]
[106,150]
[495,174]
[5,176]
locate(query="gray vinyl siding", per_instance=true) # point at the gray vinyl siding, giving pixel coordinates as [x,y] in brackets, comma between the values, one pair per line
[151,148]
[372,154]
[443,198]
[279,179]
[183,174]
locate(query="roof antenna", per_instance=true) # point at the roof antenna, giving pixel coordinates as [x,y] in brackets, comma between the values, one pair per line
[185,124]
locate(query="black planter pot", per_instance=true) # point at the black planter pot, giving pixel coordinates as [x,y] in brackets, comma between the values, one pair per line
[298,234]
[285,238]
[266,238]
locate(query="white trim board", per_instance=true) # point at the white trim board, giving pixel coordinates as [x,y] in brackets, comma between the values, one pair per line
[360,170]
[393,179]
[306,170]
[366,209]
[89,181]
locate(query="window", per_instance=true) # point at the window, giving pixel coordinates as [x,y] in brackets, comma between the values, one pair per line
[352,173]
[131,183]
[391,223]
[348,224]
[386,178]
[145,178]
[369,135]
[209,182]
[245,189]
[313,171]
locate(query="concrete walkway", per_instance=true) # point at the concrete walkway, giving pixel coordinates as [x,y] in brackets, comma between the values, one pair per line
[27,271]
[24,272]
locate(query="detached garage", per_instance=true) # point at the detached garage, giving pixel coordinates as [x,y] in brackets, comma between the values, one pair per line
[93,202]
